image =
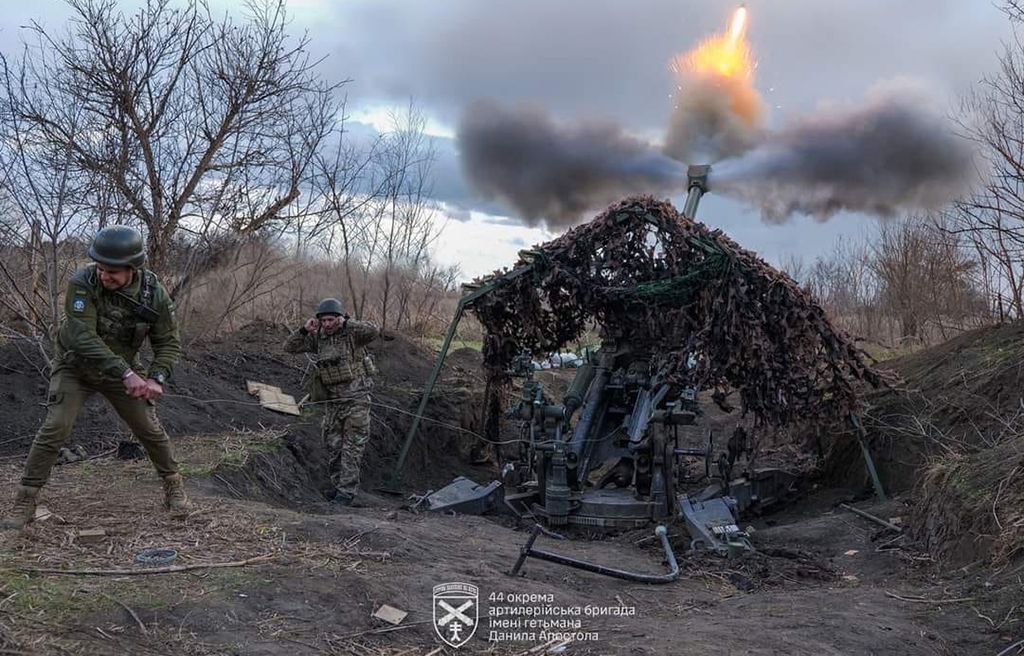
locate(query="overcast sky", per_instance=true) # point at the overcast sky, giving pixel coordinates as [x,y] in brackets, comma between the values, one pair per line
[608,59]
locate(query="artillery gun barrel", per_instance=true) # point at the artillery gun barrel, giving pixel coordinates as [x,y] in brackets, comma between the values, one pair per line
[697,186]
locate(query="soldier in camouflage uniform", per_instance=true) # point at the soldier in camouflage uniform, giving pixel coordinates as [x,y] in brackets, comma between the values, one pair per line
[342,380]
[110,308]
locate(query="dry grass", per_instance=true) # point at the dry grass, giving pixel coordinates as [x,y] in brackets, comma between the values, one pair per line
[124,499]
[170,614]
[54,613]
[972,505]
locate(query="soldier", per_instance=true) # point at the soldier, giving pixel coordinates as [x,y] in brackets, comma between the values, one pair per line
[342,379]
[111,307]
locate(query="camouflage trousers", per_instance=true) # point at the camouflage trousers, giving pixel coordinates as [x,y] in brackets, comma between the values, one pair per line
[68,391]
[346,430]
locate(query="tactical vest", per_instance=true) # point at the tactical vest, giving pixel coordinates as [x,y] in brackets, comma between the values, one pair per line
[123,321]
[339,361]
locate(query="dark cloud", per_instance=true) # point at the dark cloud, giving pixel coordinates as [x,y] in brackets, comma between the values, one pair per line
[557,173]
[889,155]
[450,185]
[583,59]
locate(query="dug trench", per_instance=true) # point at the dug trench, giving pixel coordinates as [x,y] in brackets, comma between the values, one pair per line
[294,575]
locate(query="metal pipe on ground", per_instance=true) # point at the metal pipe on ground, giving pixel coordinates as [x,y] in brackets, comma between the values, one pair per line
[528,551]
[870,517]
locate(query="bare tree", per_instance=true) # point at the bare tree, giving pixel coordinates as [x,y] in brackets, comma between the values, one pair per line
[991,220]
[43,212]
[349,188]
[1015,10]
[925,278]
[187,118]
[218,138]
[911,280]
[843,283]
[377,217]
[406,227]
[795,266]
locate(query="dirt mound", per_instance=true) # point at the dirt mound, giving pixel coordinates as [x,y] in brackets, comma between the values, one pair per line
[972,506]
[957,397]
[208,395]
[450,424]
[953,432]
[287,469]
[962,390]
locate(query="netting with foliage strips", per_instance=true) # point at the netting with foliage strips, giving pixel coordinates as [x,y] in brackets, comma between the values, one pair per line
[715,316]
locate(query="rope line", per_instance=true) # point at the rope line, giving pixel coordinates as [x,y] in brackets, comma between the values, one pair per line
[371,402]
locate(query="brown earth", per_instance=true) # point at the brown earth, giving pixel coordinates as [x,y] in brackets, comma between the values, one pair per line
[951,431]
[208,395]
[824,581]
[957,396]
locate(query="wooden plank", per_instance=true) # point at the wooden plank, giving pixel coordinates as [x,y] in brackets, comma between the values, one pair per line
[278,401]
[90,535]
[254,387]
[390,614]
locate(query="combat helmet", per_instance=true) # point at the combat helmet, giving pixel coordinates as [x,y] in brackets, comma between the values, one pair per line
[329,306]
[120,246]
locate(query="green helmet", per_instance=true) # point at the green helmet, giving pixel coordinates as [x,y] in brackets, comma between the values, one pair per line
[329,306]
[119,246]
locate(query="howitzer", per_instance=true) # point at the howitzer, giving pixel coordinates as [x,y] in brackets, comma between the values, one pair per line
[697,186]
[610,453]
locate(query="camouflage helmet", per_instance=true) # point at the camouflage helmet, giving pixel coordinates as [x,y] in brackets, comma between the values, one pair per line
[120,246]
[329,306]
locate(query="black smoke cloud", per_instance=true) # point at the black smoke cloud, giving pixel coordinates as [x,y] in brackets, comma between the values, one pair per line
[553,172]
[890,155]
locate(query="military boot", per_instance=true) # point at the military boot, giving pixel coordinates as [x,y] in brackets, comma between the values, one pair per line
[175,499]
[24,510]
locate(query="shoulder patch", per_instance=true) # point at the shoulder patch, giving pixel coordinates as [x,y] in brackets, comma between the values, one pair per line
[78,305]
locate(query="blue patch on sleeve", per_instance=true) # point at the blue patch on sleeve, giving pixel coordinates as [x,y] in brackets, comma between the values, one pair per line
[78,305]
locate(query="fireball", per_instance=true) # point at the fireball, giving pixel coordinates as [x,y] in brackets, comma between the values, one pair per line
[726,55]
[718,112]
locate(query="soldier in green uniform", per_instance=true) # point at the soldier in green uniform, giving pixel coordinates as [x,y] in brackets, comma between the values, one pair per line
[342,380]
[110,309]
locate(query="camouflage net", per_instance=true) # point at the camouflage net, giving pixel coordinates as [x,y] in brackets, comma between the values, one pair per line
[717,316]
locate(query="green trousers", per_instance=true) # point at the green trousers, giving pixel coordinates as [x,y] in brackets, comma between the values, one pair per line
[68,391]
[346,431]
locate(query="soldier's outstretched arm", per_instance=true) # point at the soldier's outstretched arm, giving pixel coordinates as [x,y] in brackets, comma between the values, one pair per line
[164,335]
[363,332]
[78,332]
[300,341]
